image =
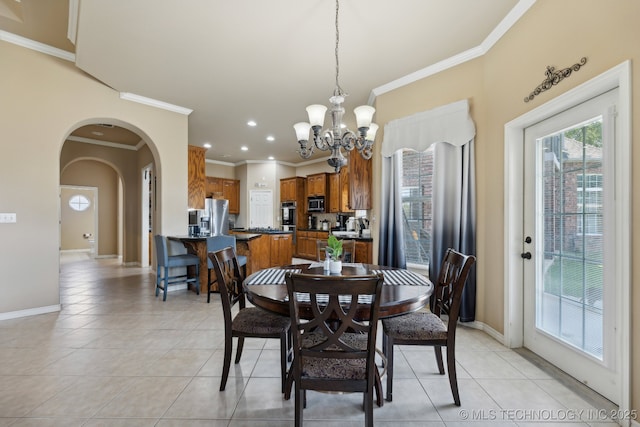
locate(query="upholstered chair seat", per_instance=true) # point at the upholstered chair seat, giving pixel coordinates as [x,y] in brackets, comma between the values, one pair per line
[252,321]
[418,326]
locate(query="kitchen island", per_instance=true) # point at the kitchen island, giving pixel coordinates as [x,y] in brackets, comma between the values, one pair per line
[263,250]
[273,249]
[197,245]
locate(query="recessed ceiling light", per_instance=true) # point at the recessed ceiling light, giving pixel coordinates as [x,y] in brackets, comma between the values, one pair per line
[206,145]
[270,157]
[251,123]
[270,138]
[95,132]
[244,148]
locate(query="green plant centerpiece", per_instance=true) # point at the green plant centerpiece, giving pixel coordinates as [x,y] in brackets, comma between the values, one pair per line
[334,247]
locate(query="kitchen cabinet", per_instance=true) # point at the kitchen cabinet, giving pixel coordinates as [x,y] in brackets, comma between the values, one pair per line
[302,238]
[364,252]
[281,248]
[214,187]
[224,188]
[339,191]
[344,190]
[292,189]
[360,172]
[196,182]
[335,194]
[231,192]
[307,242]
[317,185]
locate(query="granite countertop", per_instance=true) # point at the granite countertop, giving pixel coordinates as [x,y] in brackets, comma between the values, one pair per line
[358,238]
[245,237]
[260,231]
[240,236]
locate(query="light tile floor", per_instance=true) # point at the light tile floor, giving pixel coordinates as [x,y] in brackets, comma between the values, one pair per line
[118,356]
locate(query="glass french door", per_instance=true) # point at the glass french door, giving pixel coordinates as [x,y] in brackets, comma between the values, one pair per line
[568,253]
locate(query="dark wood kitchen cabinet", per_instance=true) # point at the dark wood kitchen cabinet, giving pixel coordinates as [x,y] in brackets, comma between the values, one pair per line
[359,184]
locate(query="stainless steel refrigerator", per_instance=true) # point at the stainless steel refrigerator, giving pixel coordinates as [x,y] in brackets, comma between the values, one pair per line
[217,211]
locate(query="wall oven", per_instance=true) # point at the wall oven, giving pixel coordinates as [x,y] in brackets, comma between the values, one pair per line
[315,204]
[288,213]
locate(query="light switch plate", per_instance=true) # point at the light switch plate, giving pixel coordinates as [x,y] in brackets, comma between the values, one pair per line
[8,217]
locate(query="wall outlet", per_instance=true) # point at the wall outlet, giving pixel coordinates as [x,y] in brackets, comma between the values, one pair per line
[8,217]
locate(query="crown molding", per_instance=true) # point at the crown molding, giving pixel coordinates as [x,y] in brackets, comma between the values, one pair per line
[512,17]
[37,46]
[72,28]
[155,103]
[219,162]
[105,143]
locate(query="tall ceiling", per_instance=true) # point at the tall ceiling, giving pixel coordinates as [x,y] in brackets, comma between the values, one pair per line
[235,61]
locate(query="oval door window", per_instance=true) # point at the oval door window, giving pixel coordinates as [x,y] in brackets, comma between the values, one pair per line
[79,202]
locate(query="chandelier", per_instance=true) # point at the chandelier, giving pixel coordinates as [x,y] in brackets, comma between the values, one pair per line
[335,138]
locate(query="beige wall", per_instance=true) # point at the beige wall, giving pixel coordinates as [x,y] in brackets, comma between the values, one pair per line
[551,33]
[92,173]
[220,170]
[43,100]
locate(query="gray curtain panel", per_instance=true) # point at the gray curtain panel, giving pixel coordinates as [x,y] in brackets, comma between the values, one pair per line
[451,128]
[391,242]
[454,214]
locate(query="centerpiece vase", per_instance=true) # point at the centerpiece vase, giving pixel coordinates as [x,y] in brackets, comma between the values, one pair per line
[335,266]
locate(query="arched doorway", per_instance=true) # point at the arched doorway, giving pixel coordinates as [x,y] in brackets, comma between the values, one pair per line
[112,156]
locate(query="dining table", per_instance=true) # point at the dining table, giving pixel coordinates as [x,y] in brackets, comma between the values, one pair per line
[403,290]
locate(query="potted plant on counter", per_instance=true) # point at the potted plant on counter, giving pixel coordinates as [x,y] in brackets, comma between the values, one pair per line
[334,250]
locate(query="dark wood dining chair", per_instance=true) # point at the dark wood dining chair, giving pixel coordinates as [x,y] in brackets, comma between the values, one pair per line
[216,243]
[428,328]
[333,351]
[250,322]
[165,263]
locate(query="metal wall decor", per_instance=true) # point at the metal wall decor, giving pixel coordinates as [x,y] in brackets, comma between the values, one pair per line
[554,77]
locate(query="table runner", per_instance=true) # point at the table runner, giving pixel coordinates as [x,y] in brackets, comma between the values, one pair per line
[275,276]
[271,276]
[402,277]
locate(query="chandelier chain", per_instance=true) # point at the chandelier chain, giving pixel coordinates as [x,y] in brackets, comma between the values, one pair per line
[338,90]
[336,138]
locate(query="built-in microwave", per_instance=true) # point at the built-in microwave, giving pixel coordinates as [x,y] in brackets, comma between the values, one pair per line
[315,204]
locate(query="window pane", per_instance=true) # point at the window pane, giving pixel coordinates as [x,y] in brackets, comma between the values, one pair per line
[569,303]
[79,202]
[416,190]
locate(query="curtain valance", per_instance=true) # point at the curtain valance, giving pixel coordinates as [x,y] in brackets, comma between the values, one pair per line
[449,123]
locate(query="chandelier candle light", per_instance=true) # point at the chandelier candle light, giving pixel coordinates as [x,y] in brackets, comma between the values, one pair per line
[334,139]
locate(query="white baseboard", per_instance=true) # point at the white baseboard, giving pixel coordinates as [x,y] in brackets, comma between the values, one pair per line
[29,312]
[106,256]
[131,264]
[487,329]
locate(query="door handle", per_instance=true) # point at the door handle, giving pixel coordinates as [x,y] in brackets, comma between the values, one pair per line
[526,255]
